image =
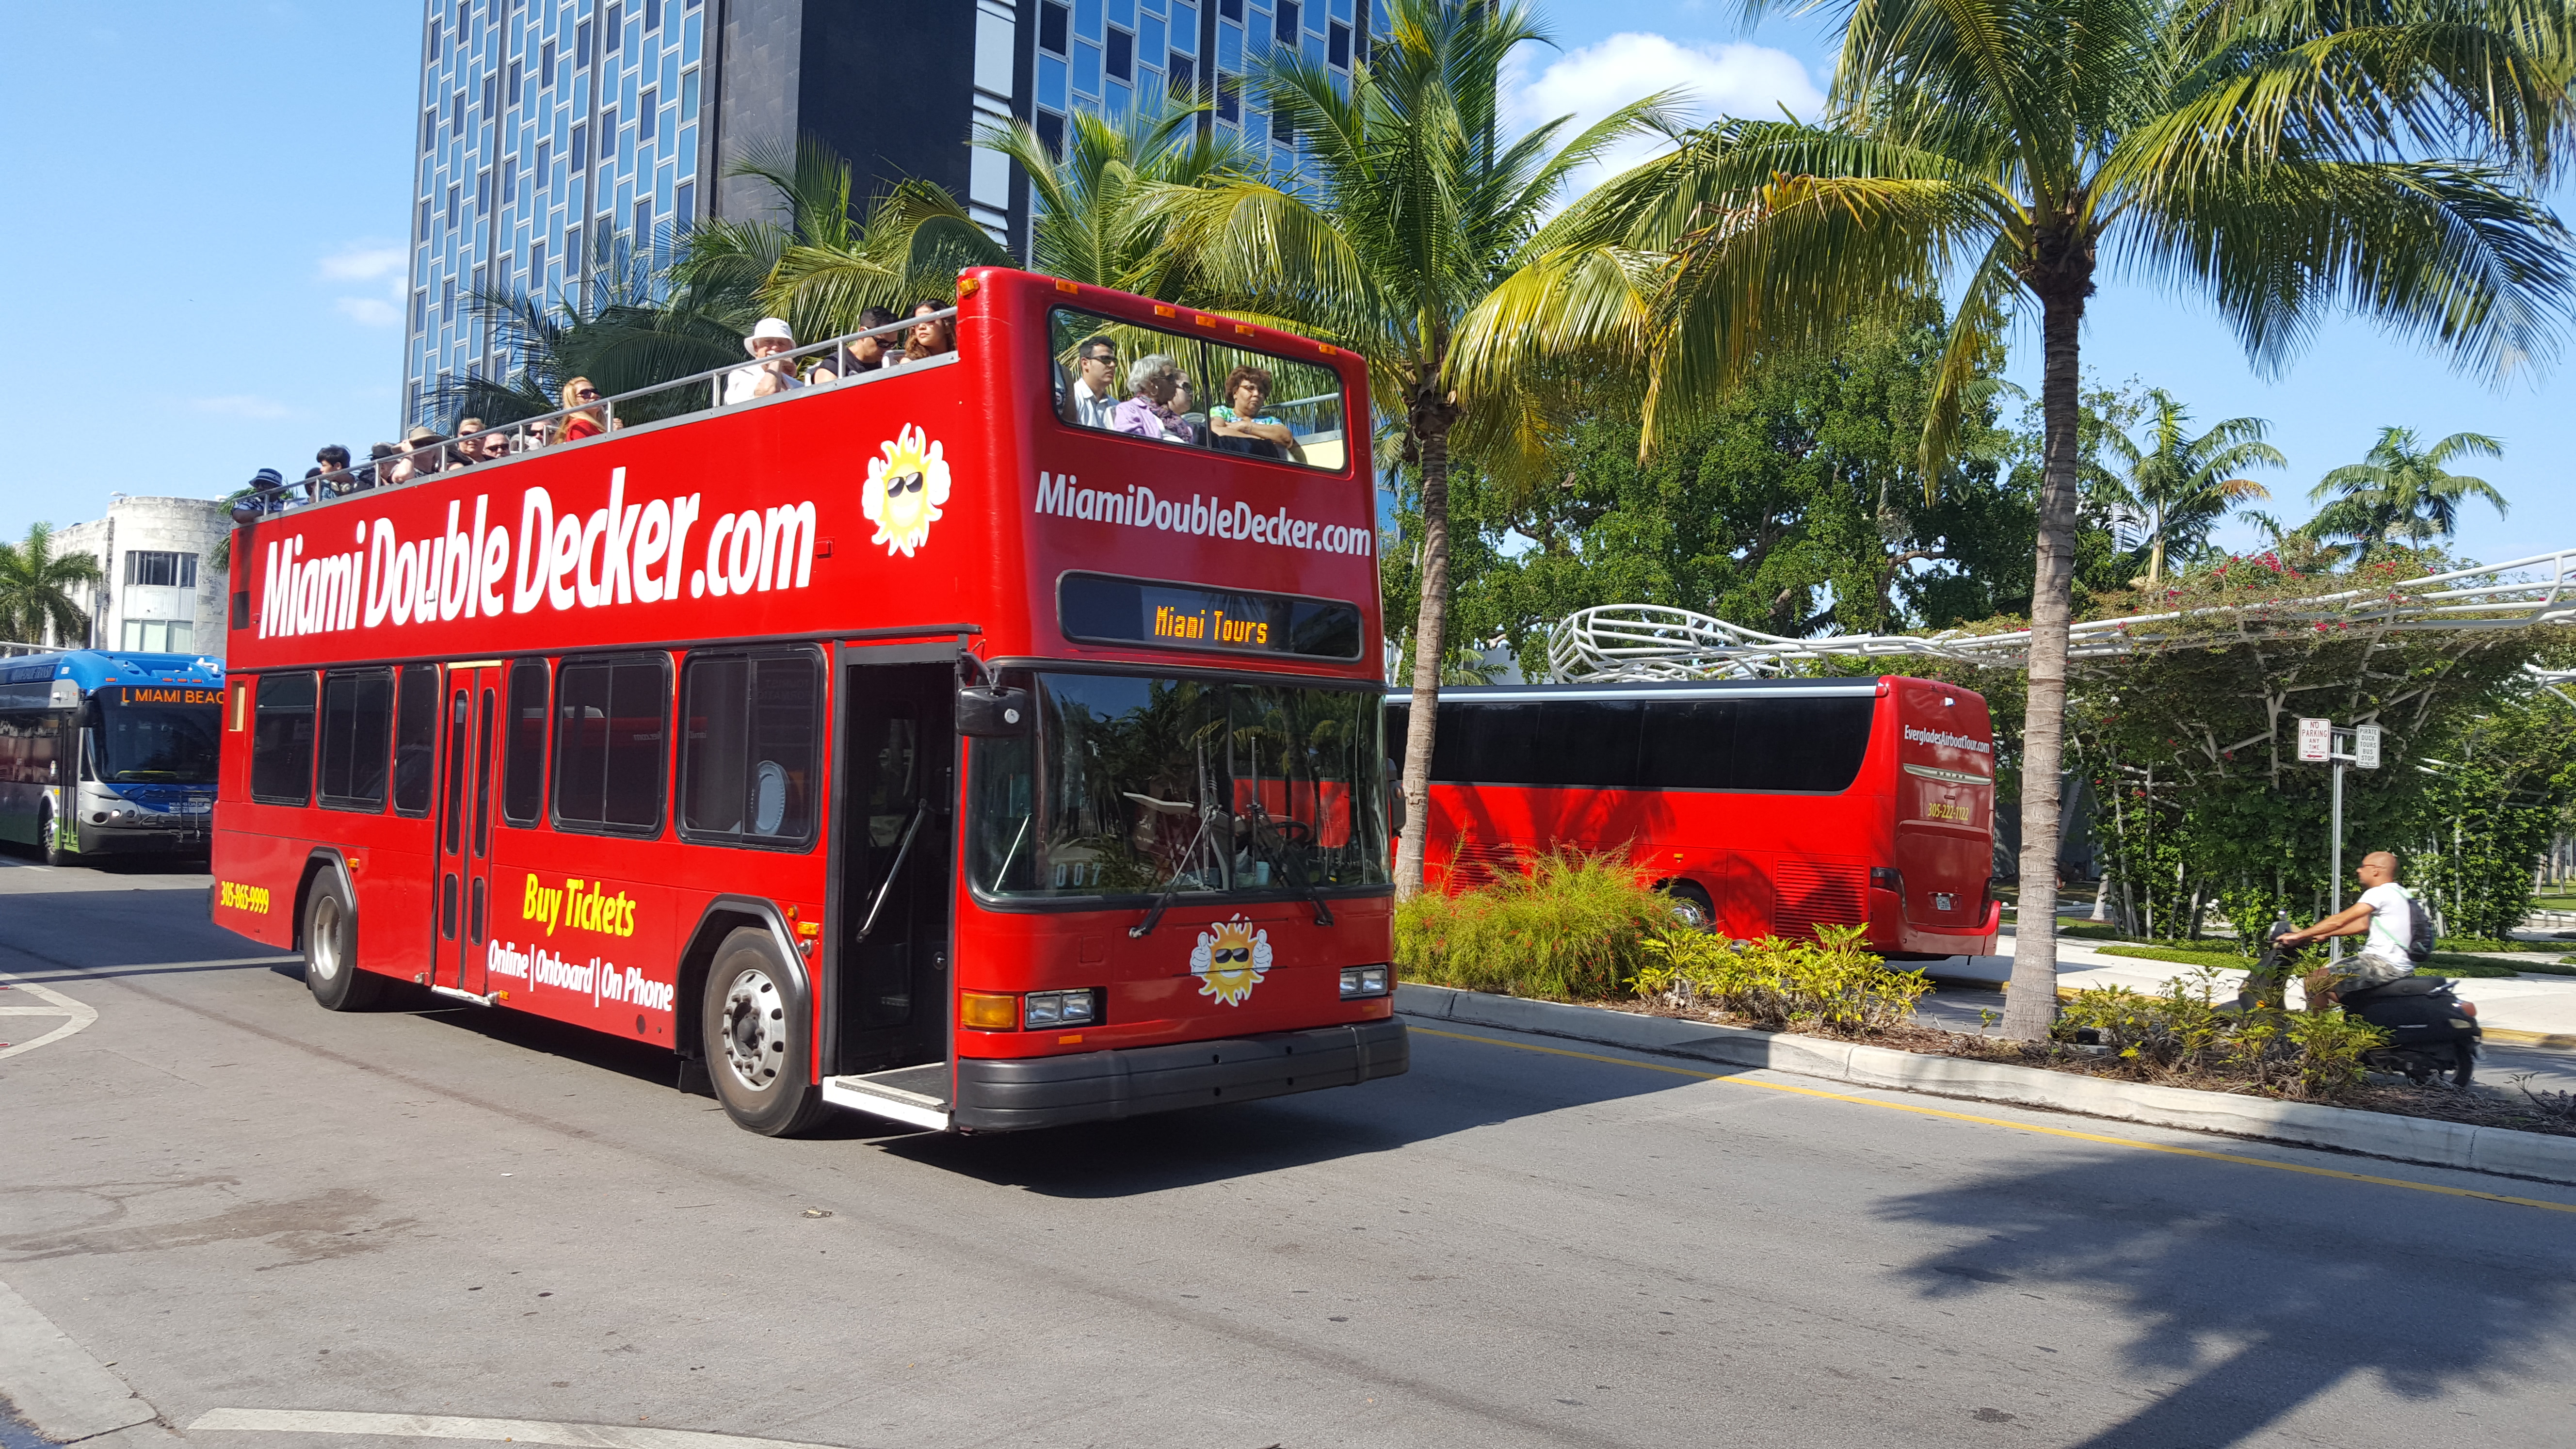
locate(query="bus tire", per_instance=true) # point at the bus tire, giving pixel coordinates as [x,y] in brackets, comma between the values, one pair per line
[758,1030]
[331,949]
[50,839]
[1691,906]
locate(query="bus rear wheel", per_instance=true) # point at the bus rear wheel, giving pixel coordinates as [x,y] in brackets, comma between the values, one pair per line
[758,1032]
[331,950]
[1691,906]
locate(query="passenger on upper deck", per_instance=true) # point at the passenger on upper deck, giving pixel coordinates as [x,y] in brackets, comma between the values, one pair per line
[1237,426]
[426,454]
[862,355]
[767,378]
[1154,380]
[931,335]
[467,450]
[587,423]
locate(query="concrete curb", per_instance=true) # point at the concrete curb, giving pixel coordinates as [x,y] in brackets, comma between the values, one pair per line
[2377,1134]
[57,1386]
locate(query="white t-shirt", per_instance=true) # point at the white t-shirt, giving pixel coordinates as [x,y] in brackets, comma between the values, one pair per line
[740,382]
[2392,920]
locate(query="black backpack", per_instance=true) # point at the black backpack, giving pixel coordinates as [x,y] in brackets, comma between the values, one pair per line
[2419,933]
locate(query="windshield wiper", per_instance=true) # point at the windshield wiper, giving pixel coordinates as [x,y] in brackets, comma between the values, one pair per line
[1208,814]
[1279,862]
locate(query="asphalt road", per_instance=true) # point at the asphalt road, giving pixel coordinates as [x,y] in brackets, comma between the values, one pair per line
[243,1203]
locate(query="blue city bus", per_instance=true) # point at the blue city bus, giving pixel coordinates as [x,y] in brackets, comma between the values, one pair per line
[108,753]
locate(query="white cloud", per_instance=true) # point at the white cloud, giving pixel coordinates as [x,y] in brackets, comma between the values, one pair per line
[363,262]
[1719,80]
[242,405]
[368,311]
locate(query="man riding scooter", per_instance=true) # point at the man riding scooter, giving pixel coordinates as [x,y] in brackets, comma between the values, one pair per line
[2385,913]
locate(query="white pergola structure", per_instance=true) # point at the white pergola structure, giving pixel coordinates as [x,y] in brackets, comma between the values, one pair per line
[1618,642]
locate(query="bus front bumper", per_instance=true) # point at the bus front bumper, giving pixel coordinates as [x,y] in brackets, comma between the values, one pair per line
[1009,1094]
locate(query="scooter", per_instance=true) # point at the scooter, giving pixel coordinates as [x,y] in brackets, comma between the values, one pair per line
[2431,1031]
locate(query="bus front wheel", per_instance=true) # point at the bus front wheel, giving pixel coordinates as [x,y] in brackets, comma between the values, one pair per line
[331,949]
[758,1031]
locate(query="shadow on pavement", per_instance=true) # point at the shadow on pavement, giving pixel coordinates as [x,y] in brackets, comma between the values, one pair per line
[2250,1310]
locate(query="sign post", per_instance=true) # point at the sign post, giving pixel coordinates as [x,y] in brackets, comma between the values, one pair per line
[2318,740]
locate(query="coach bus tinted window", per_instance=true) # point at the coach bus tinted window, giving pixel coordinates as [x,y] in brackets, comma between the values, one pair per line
[1790,745]
[523,784]
[415,738]
[357,732]
[609,726]
[1215,397]
[1199,785]
[748,757]
[281,742]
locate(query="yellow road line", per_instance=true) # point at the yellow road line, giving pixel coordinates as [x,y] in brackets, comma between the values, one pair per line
[1740,1081]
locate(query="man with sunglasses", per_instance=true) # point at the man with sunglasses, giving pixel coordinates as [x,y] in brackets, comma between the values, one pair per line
[1095,382]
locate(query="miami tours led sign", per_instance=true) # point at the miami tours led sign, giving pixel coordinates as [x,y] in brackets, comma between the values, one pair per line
[1098,608]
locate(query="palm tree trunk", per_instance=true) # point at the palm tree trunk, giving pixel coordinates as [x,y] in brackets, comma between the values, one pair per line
[2031,1008]
[1430,646]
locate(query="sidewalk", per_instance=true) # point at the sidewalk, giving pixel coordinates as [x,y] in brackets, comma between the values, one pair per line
[2524,1010]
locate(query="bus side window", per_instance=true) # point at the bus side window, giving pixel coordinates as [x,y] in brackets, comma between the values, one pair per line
[523,785]
[281,750]
[415,738]
[749,753]
[357,728]
[610,724]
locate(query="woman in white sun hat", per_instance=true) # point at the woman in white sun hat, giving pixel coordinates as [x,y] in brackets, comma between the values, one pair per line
[768,340]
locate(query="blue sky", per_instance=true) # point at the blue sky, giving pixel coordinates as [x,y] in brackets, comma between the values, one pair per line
[208,213]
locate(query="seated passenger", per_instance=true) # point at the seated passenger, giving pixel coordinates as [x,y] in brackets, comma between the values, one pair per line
[380,465]
[585,423]
[1237,425]
[774,374]
[333,463]
[931,335]
[861,354]
[1087,403]
[1153,381]
[467,450]
[426,453]
[269,486]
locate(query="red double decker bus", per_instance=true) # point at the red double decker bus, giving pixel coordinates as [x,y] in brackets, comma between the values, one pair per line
[1763,807]
[959,743]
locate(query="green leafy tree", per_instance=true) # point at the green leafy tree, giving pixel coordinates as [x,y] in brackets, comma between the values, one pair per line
[2279,158]
[1102,210]
[2498,788]
[1417,208]
[36,590]
[2402,492]
[2179,481]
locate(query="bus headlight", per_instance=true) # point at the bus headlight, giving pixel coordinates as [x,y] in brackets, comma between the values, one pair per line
[1057,1008]
[1363,981]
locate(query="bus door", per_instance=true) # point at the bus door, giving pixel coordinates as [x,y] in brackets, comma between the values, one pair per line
[469,748]
[896,827]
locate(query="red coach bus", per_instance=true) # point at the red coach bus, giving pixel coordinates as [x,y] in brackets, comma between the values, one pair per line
[1764,807]
[940,743]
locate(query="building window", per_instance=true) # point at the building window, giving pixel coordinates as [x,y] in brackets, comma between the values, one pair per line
[545,160]
[684,204]
[455,194]
[546,64]
[1229,98]
[581,45]
[1286,30]
[580,147]
[615,22]
[433,40]
[1229,9]
[161,570]
[523,785]
[159,636]
[483,191]
[572,248]
[491,90]
[514,82]
[423,232]
[1122,54]
[419,309]
[537,269]
[281,745]
[647,108]
[357,729]
[456,114]
[609,733]
[652,14]
[1339,52]
[415,738]
[429,129]
[1180,70]
[1051,26]
[509,179]
[750,759]
[643,221]
[1051,132]
[608,128]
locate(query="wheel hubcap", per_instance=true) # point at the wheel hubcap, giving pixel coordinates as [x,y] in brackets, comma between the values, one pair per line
[322,942]
[754,1030]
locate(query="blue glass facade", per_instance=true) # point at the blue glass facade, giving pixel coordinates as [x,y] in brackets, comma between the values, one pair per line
[545,125]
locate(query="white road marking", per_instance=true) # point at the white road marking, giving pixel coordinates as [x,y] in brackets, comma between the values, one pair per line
[81,1013]
[444,1426]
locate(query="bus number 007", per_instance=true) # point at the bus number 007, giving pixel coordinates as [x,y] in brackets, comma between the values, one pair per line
[234,896]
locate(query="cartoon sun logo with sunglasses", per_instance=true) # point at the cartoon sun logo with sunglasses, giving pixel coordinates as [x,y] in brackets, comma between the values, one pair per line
[906,485]
[1229,960]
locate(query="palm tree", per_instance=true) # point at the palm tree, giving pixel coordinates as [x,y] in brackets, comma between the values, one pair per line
[1417,208]
[2278,157]
[2180,483]
[2401,490]
[1099,212]
[35,590]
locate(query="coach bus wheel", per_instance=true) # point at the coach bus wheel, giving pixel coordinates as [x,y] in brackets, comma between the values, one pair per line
[759,1043]
[51,838]
[1691,906]
[331,949]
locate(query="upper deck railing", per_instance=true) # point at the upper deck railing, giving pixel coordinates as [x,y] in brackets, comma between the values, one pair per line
[698,392]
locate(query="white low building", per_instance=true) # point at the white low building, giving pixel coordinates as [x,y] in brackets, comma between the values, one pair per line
[159,590]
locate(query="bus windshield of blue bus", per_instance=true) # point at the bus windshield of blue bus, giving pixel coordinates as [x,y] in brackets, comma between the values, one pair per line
[155,744]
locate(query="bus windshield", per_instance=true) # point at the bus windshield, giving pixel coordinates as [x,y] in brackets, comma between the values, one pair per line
[155,744]
[1196,786]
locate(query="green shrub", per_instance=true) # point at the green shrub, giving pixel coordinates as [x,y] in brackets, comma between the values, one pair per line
[1830,983]
[2183,1031]
[1569,929]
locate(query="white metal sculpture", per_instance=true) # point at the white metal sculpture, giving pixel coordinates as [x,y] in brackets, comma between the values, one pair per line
[1653,641]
